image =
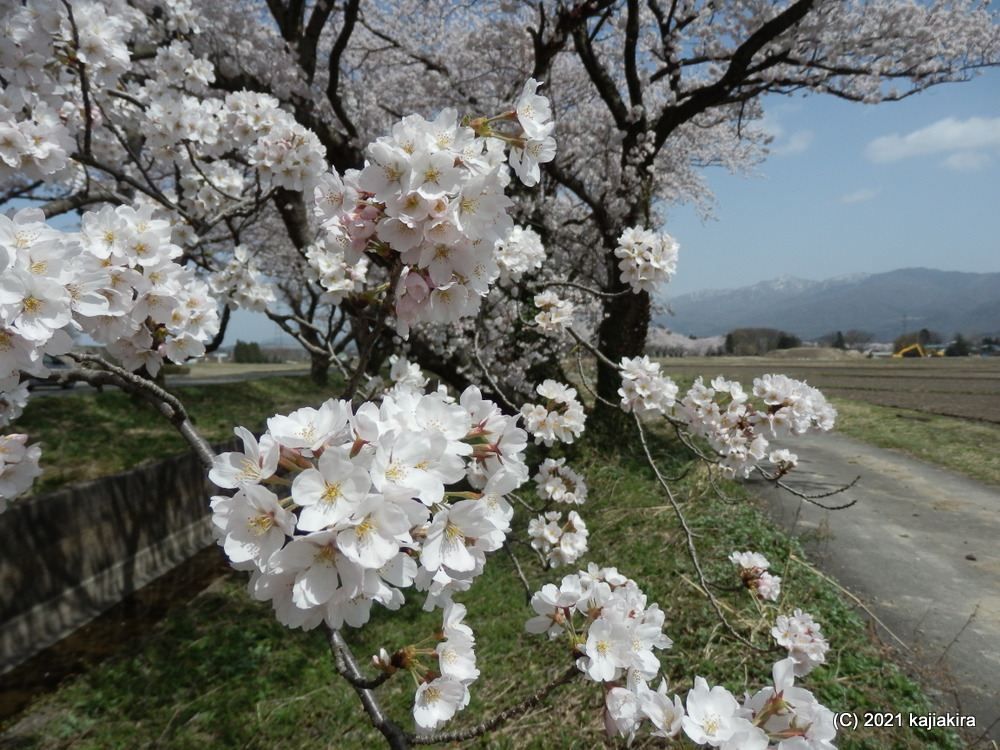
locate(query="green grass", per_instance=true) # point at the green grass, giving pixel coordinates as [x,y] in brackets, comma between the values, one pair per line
[220,673]
[88,435]
[959,445]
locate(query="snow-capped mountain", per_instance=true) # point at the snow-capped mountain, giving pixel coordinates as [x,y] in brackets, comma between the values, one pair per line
[885,304]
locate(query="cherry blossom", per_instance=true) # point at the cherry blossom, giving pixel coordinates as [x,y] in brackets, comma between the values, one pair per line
[561,418]
[556,481]
[801,635]
[18,466]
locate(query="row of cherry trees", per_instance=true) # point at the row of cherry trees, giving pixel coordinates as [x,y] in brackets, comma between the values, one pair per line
[390,177]
[645,93]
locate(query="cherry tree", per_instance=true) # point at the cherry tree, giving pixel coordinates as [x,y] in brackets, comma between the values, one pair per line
[459,206]
[647,92]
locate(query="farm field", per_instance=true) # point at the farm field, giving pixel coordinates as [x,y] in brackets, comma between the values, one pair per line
[964,387]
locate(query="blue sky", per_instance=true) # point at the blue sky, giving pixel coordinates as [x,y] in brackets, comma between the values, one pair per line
[852,188]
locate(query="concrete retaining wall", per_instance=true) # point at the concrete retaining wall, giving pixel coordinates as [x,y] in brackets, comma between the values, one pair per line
[67,556]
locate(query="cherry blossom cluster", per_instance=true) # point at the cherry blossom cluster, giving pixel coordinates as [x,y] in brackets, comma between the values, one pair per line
[613,634]
[801,635]
[116,280]
[782,717]
[240,283]
[280,150]
[35,146]
[73,84]
[18,466]
[735,427]
[438,700]
[793,407]
[404,375]
[555,313]
[648,258]
[443,691]
[788,716]
[784,460]
[38,114]
[557,482]
[536,145]
[644,390]
[612,630]
[753,573]
[12,402]
[433,194]
[338,278]
[627,711]
[369,510]
[519,252]
[559,542]
[560,419]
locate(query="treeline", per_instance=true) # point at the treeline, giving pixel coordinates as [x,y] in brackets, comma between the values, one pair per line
[248,352]
[750,342]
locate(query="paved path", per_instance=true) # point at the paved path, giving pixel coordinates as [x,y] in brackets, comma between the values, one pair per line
[921,549]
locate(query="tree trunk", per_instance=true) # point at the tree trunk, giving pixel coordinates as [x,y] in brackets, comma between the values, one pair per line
[319,369]
[622,333]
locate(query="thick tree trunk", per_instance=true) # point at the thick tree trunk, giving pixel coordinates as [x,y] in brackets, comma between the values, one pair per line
[622,333]
[319,369]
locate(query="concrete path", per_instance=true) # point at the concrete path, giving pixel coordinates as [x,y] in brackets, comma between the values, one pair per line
[921,549]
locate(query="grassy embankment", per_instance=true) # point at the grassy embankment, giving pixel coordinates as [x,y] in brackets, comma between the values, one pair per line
[221,673]
[85,435]
[952,443]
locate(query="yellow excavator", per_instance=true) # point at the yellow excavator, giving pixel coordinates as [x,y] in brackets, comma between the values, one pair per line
[916,350]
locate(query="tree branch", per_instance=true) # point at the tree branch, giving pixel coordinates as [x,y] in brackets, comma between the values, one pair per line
[167,404]
[506,715]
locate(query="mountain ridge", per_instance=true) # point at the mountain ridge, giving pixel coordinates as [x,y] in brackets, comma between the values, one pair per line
[885,304]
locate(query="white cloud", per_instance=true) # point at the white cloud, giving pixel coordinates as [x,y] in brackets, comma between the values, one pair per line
[859,195]
[784,143]
[972,137]
[967,161]
[795,143]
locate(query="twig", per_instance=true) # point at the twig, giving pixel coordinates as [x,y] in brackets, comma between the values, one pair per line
[520,573]
[591,348]
[486,373]
[595,292]
[959,633]
[692,552]
[813,498]
[365,354]
[347,668]
[527,506]
[856,600]
[509,713]
[165,403]
[586,381]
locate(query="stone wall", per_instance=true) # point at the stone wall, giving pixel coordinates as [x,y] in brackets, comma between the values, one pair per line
[67,556]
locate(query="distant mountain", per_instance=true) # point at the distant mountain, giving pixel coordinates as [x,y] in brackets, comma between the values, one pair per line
[885,304]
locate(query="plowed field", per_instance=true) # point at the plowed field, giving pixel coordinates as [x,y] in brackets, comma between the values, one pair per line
[965,387]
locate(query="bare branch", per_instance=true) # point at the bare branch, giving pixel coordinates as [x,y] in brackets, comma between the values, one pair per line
[520,573]
[167,404]
[347,668]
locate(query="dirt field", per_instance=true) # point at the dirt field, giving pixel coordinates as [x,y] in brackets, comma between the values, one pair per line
[966,387]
